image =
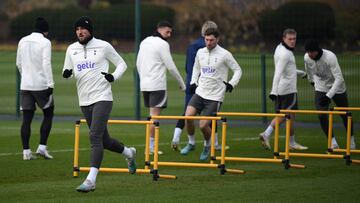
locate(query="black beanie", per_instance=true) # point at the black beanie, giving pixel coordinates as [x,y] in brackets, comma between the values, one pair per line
[84,22]
[41,25]
[312,45]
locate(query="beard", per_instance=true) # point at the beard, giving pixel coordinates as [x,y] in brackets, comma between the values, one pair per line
[84,40]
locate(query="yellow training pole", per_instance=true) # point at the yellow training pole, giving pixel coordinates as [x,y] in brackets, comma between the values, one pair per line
[212,152]
[76,149]
[347,108]
[348,139]
[330,131]
[147,144]
[276,137]
[287,139]
[223,143]
[125,170]
[156,152]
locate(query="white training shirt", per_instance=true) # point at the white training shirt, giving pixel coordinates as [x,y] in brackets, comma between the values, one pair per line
[87,62]
[285,76]
[33,60]
[325,73]
[213,67]
[152,61]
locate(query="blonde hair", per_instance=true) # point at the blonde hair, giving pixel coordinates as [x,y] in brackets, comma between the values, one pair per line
[208,24]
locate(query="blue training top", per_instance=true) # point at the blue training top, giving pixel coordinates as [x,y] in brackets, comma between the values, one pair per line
[190,59]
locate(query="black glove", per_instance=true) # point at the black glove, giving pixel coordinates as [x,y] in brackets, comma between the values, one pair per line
[273,97]
[229,87]
[192,88]
[305,76]
[325,101]
[67,73]
[312,84]
[108,76]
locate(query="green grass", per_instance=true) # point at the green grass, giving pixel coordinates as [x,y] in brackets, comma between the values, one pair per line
[324,180]
[246,97]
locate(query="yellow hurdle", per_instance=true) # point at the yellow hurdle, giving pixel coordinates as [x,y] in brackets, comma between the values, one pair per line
[146,170]
[331,115]
[211,164]
[275,159]
[357,151]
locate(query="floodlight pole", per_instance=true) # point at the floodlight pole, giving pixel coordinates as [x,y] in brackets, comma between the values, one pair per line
[263,84]
[137,43]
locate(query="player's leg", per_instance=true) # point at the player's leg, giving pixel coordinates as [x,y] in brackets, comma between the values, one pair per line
[179,126]
[28,109]
[341,100]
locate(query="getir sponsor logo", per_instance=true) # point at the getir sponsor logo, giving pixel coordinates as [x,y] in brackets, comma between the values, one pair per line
[85,65]
[207,70]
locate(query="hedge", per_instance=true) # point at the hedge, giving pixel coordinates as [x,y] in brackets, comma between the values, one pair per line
[115,22]
[309,19]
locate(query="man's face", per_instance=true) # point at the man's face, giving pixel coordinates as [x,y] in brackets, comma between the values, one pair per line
[313,54]
[82,34]
[211,41]
[290,40]
[165,32]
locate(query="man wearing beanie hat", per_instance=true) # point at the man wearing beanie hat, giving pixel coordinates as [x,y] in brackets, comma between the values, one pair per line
[284,87]
[325,75]
[88,61]
[33,60]
[153,60]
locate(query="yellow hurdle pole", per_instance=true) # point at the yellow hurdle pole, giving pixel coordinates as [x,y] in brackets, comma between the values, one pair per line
[347,108]
[348,139]
[147,144]
[276,138]
[287,139]
[185,117]
[328,156]
[249,114]
[186,164]
[312,112]
[212,152]
[330,132]
[223,143]
[125,170]
[156,152]
[352,151]
[76,149]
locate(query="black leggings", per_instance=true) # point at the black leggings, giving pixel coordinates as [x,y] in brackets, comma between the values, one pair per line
[340,100]
[45,128]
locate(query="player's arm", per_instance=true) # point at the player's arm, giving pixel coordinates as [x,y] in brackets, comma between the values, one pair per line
[279,69]
[170,65]
[117,60]
[46,64]
[235,67]
[336,72]
[196,71]
[309,71]
[68,66]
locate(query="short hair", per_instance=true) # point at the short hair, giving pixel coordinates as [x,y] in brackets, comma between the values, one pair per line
[208,24]
[312,45]
[164,24]
[212,31]
[289,31]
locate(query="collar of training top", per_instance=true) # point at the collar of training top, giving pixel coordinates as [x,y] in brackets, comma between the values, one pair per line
[286,46]
[157,34]
[320,53]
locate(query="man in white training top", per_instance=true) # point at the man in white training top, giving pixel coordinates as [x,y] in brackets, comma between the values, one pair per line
[88,60]
[209,81]
[284,90]
[153,59]
[33,61]
[325,75]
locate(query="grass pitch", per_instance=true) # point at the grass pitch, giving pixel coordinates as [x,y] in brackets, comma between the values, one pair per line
[324,180]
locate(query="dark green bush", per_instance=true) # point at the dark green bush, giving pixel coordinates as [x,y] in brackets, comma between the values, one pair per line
[309,19]
[115,22]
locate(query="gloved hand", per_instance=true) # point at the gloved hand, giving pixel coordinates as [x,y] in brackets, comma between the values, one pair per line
[325,101]
[67,73]
[273,97]
[192,88]
[312,84]
[304,76]
[108,76]
[229,87]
